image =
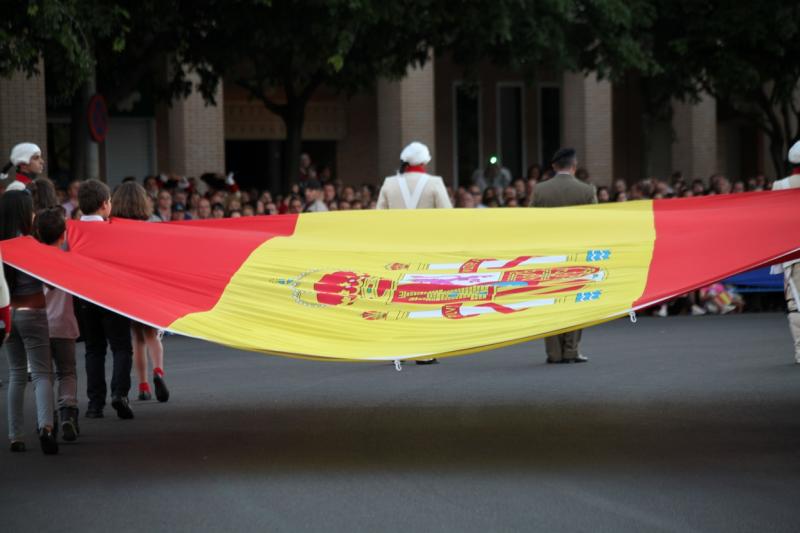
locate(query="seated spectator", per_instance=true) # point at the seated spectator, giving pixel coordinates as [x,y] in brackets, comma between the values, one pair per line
[477,197]
[367,194]
[723,185]
[489,197]
[465,199]
[313,196]
[164,206]
[348,194]
[233,204]
[329,193]
[344,205]
[194,199]
[521,187]
[72,194]
[635,193]
[619,186]
[719,299]
[295,205]
[602,195]
[248,210]
[534,173]
[530,186]
[151,186]
[179,212]
[217,211]
[203,209]
[509,193]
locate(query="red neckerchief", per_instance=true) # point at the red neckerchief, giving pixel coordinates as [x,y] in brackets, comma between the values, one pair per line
[23,178]
[416,168]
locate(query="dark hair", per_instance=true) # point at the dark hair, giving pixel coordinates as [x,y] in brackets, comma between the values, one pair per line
[130,201]
[92,194]
[564,158]
[6,169]
[44,193]
[50,225]
[16,214]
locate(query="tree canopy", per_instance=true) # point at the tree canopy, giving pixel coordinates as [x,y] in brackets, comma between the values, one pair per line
[282,51]
[745,54]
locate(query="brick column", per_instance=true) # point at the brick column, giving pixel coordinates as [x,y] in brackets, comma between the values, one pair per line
[196,135]
[23,117]
[405,113]
[694,150]
[588,125]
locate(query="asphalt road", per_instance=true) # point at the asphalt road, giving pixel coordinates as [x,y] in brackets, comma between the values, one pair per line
[681,424]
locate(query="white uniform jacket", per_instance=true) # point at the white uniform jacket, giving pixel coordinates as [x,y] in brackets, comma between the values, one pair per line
[422,191]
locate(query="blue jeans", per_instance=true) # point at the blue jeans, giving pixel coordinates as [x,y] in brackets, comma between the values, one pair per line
[29,342]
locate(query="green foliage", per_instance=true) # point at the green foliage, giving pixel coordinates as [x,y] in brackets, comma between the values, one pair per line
[298,46]
[745,54]
[62,31]
[527,35]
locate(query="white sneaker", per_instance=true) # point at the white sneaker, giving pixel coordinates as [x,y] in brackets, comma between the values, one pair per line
[728,308]
[697,310]
[662,311]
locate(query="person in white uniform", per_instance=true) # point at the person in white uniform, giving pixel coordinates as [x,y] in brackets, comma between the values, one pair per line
[414,188]
[791,269]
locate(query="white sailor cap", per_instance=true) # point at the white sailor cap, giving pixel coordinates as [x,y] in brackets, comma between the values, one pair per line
[416,153]
[15,185]
[23,152]
[794,154]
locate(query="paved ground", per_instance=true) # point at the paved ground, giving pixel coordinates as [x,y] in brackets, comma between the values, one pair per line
[680,424]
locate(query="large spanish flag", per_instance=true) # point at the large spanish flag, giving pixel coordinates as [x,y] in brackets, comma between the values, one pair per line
[383,285]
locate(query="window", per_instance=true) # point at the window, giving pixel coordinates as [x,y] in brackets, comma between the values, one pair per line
[467,128]
[510,134]
[549,123]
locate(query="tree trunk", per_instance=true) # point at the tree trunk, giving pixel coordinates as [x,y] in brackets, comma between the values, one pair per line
[293,119]
[778,155]
[84,158]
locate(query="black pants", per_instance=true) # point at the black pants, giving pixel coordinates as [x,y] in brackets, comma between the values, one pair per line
[99,329]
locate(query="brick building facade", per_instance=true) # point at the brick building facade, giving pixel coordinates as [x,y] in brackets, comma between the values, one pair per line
[463,122]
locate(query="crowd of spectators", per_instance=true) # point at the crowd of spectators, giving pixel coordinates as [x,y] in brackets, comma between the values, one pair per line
[217,196]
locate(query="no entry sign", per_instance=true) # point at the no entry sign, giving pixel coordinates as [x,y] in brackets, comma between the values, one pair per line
[98,118]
